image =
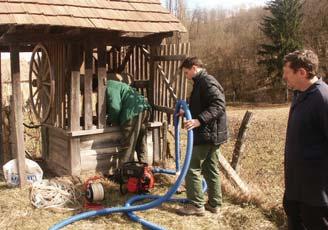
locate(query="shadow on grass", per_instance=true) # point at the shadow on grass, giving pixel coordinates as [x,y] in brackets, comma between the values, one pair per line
[4,187]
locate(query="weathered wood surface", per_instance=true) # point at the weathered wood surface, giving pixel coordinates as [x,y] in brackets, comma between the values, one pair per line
[87,96]
[100,152]
[95,163]
[75,157]
[58,149]
[75,89]
[166,78]
[102,80]
[18,114]
[240,143]
[6,135]
[232,175]
[1,119]
[101,141]
[81,154]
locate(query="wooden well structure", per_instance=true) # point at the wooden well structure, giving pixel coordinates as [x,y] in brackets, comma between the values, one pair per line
[74,41]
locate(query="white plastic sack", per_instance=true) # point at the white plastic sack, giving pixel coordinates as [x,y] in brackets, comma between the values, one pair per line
[33,172]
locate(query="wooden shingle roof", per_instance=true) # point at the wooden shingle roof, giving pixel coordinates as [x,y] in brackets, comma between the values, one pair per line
[146,16]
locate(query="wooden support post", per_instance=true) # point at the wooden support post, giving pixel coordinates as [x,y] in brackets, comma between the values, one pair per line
[75,157]
[1,118]
[18,113]
[126,59]
[115,63]
[102,81]
[239,146]
[75,88]
[152,78]
[155,128]
[12,133]
[164,151]
[74,144]
[88,87]
[156,145]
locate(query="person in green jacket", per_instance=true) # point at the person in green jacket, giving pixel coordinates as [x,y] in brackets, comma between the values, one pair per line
[130,110]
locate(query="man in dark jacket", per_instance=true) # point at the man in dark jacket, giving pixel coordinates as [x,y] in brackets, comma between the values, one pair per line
[306,150]
[207,106]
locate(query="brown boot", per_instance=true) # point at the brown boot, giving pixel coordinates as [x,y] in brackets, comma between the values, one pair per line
[190,209]
[211,209]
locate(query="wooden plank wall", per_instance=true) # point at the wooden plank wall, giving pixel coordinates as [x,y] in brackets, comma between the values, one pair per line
[59,60]
[142,71]
[100,151]
[139,67]
[136,66]
[58,151]
[170,66]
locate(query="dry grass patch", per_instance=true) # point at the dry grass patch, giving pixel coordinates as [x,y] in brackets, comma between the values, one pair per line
[261,167]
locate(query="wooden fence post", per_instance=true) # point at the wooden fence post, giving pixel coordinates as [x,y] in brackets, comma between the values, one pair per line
[1,118]
[152,79]
[239,146]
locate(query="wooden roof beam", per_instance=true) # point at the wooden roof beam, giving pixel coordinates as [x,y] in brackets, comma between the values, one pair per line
[68,35]
[21,48]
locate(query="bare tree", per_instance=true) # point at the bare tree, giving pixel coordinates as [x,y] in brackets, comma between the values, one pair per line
[177,7]
[315,30]
[227,41]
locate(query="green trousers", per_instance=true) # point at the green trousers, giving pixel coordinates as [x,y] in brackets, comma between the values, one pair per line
[204,161]
[134,139]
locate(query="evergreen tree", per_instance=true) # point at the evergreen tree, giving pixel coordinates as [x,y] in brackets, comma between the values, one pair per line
[282,28]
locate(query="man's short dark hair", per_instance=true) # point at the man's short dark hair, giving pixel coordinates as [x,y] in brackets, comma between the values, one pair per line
[306,59]
[189,62]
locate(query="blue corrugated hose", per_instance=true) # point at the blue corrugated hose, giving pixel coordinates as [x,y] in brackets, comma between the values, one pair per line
[156,200]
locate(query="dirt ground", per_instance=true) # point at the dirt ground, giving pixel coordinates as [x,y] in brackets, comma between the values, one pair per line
[261,167]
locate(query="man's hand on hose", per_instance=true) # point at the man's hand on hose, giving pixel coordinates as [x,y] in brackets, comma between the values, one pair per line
[191,124]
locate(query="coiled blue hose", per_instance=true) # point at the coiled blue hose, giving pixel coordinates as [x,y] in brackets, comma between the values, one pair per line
[142,221]
[157,200]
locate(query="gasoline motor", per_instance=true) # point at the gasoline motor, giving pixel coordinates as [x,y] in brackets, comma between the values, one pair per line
[135,177]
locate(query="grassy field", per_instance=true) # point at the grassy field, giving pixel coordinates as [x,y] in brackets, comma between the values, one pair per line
[261,167]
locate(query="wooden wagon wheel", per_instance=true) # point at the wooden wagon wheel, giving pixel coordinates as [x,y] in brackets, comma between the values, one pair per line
[42,84]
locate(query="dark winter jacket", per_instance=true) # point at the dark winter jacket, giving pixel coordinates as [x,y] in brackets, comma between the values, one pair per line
[306,151]
[207,104]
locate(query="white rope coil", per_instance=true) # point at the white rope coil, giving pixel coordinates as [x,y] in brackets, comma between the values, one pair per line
[57,195]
